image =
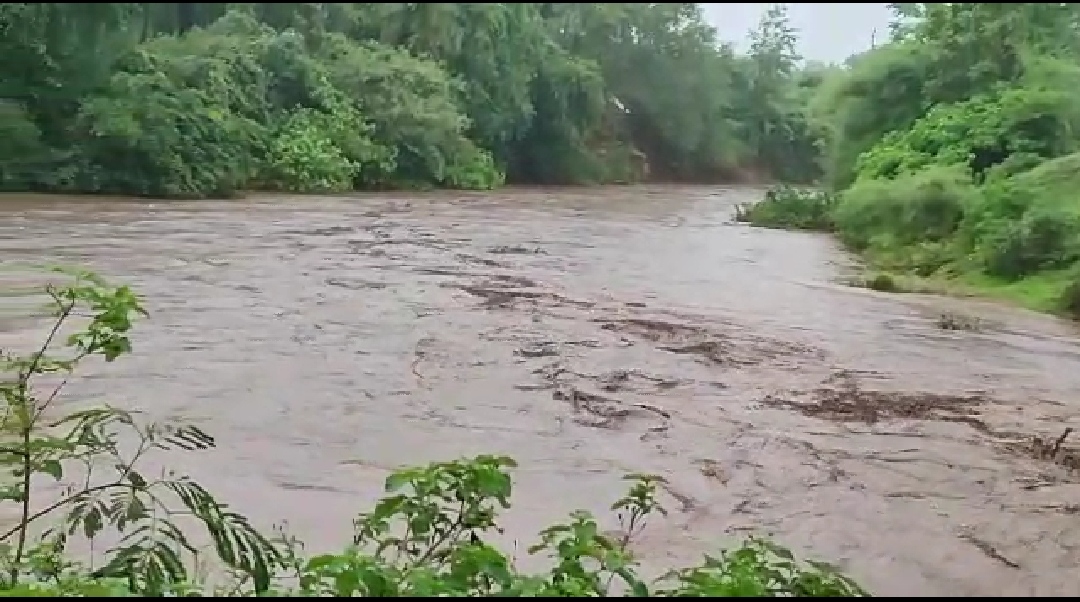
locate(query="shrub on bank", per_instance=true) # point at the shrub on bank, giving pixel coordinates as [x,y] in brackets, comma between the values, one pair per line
[1014,232]
[426,538]
[790,208]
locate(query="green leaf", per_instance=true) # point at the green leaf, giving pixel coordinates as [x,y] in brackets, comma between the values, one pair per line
[136,480]
[52,468]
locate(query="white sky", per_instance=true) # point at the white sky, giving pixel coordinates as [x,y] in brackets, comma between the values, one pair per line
[827,32]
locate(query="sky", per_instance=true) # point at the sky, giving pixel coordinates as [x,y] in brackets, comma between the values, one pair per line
[827,32]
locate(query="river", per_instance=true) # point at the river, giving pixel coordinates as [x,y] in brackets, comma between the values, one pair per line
[324,341]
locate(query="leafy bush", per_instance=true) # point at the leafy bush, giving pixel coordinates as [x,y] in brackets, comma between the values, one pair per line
[788,207]
[303,157]
[881,92]
[153,136]
[977,134]
[914,208]
[952,148]
[1045,238]
[426,538]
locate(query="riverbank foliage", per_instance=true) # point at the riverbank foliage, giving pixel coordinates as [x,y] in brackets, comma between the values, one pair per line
[790,208]
[431,535]
[196,100]
[953,151]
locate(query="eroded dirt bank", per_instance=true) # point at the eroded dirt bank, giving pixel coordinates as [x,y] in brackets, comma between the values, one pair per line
[588,333]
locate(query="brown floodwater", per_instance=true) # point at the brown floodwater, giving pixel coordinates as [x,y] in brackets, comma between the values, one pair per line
[588,334]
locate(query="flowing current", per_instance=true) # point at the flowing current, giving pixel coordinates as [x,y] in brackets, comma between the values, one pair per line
[588,334]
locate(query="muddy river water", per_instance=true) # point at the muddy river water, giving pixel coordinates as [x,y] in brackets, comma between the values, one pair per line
[587,333]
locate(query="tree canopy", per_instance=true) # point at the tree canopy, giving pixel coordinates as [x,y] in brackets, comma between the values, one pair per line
[193,100]
[952,149]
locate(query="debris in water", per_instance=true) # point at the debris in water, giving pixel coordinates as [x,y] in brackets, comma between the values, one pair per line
[516,250]
[544,349]
[845,401]
[955,321]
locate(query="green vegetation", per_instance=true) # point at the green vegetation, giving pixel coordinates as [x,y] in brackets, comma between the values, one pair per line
[426,538]
[196,100]
[953,153]
[791,209]
[949,152]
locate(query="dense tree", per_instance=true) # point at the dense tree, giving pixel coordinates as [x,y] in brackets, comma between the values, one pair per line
[773,119]
[202,99]
[952,150]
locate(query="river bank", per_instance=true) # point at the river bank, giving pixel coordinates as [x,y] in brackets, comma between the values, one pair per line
[935,264]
